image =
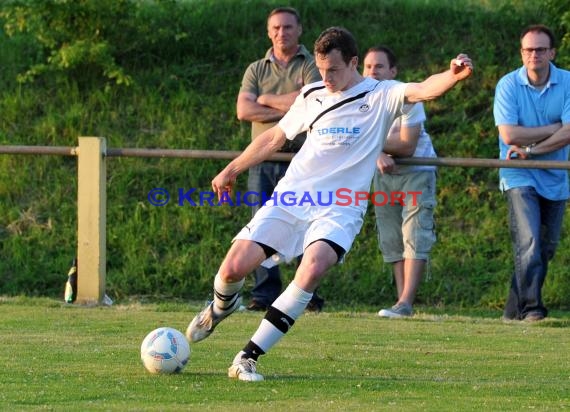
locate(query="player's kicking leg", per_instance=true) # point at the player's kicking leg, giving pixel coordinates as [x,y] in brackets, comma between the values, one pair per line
[281,315]
[243,257]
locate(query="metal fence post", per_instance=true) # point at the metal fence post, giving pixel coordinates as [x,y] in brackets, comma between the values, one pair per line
[91,220]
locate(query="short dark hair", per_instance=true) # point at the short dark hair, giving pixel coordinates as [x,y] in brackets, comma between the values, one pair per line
[289,10]
[337,38]
[392,60]
[540,28]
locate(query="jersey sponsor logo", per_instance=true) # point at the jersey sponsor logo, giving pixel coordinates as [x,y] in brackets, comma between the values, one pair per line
[364,108]
[338,136]
[339,130]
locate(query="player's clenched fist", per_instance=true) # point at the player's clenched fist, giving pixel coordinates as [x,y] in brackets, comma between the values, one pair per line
[223,182]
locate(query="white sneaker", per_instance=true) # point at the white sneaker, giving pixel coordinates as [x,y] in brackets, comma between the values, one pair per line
[399,310]
[244,369]
[204,323]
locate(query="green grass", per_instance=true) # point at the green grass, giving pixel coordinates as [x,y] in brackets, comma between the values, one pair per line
[66,358]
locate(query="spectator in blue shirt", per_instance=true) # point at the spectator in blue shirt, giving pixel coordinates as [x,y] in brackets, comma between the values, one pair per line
[532,113]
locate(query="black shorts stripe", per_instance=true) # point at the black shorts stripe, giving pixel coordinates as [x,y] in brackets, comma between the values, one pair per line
[269,251]
[339,250]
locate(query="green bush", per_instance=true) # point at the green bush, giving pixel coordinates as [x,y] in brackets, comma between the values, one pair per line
[166,74]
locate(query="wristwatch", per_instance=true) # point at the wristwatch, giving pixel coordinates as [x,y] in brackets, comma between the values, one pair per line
[528,149]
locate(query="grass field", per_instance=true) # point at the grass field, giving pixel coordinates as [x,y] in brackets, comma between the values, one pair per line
[69,358]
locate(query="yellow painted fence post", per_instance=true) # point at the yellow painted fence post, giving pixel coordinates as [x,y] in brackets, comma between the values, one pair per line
[91,220]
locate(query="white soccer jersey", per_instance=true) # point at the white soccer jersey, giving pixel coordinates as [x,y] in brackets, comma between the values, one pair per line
[317,197]
[339,155]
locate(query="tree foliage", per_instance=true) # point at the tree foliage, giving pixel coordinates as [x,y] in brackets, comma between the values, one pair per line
[73,35]
[90,39]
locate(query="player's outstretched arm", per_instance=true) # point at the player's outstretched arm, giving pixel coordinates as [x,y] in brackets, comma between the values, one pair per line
[260,149]
[434,86]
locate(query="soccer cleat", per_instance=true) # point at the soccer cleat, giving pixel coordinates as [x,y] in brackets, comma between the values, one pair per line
[399,310]
[204,323]
[244,369]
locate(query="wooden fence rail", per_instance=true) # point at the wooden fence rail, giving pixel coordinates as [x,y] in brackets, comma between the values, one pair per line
[92,193]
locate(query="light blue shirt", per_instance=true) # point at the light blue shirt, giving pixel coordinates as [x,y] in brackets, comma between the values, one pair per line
[518,103]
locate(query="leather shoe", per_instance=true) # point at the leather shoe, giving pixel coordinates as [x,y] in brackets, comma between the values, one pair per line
[256,306]
[533,317]
[316,304]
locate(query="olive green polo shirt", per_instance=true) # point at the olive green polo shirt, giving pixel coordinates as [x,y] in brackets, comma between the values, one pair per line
[265,76]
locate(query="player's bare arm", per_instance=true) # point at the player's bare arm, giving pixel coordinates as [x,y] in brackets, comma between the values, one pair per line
[260,149]
[523,136]
[434,86]
[248,109]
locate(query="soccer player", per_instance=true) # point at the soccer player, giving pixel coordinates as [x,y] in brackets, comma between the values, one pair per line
[347,118]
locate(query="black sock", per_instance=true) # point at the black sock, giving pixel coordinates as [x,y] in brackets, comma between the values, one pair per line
[251,350]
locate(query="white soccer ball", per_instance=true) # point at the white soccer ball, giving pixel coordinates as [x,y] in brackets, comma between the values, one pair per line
[165,350]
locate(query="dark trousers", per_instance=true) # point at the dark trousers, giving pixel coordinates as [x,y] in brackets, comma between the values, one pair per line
[535,224]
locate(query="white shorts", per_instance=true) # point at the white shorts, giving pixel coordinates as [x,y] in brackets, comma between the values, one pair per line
[289,235]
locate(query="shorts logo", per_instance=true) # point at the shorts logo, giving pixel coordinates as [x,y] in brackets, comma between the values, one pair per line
[364,108]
